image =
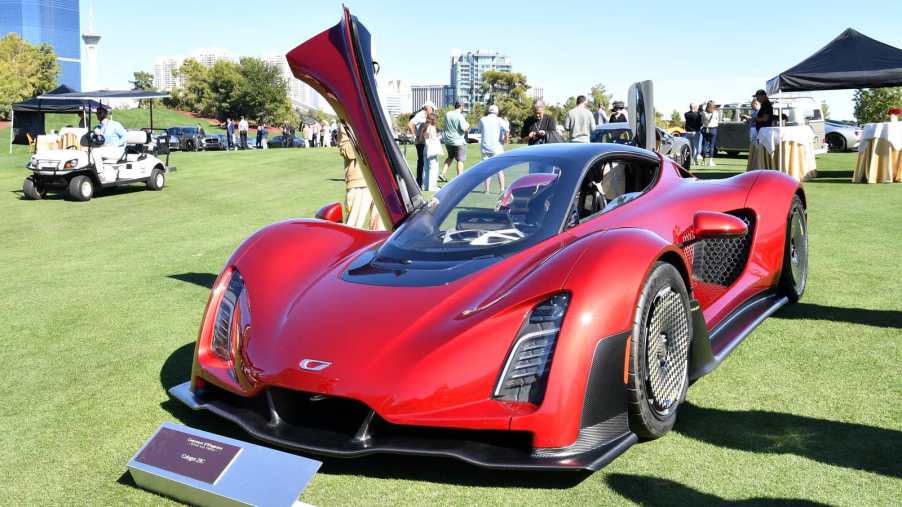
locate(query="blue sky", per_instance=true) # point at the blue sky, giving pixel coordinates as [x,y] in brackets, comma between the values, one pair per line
[693,50]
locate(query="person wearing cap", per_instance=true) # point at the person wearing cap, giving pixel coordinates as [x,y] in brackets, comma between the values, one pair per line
[765,116]
[618,112]
[454,139]
[493,130]
[416,126]
[580,121]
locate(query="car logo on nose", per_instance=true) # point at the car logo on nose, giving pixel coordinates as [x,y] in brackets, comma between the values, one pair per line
[314,364]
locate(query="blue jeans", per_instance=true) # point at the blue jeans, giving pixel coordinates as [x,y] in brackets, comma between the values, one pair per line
[695,142]
[710,142]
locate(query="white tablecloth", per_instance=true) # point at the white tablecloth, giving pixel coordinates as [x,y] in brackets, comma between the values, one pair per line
[891,131]
[770,137]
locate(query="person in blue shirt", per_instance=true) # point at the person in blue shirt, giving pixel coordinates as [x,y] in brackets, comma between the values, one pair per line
[113,148]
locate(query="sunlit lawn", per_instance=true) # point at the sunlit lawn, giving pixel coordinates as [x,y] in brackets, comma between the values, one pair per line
[102,300]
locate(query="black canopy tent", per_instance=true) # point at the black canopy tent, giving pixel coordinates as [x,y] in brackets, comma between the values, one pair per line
[30,113]
[851,60]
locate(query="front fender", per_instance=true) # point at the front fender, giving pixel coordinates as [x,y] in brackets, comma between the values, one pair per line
[605,284]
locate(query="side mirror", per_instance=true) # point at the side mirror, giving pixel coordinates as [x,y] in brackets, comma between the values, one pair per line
[711,224]
[331,212]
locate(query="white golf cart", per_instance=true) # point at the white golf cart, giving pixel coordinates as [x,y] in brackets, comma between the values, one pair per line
[64,161]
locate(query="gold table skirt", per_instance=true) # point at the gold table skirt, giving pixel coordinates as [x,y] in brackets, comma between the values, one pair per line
[797,161]
[878,162]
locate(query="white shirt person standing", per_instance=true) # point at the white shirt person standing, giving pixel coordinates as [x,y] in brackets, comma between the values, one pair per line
[493,131]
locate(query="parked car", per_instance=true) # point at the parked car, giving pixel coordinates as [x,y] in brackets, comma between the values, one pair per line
[473,135]
[548,327]
[405,138]
[214,142]
[281,141]
[675,148]
[185,138]
[733,131]
[842,136]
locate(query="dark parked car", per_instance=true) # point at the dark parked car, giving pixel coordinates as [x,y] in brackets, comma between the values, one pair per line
[280,142]
[185,138]
[214,142]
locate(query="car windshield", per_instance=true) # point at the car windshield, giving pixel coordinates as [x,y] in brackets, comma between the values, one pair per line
[463,221]
[189,130]
[612,135]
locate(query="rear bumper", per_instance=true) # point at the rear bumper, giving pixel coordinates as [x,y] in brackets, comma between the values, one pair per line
[262,418]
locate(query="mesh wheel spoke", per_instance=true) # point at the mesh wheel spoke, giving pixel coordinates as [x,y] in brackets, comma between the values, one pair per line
[667,344]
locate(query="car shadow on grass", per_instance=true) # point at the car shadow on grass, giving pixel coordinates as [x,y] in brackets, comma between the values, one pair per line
[848,445]
[199,279]
[878,318]
[655,491]
[99,194]
[177,369]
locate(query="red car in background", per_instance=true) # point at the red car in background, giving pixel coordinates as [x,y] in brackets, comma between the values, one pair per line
[548,327]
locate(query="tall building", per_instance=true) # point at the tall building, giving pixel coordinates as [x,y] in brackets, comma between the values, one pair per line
[55,22]
[466,73]
[165,73]
[397,97]
[207,57]
[537,93]
[301,94]
[440,95]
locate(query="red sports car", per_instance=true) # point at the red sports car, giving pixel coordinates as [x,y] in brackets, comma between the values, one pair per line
[548,327]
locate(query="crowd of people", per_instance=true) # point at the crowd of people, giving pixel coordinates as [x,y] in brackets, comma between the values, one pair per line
[314,134]
[703,121]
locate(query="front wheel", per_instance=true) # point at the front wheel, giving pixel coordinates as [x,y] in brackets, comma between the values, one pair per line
[836,142]
[32,189]
[81,188]
[659,353]
[794,275]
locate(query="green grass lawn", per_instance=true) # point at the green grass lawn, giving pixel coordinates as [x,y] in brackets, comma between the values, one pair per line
[102,301]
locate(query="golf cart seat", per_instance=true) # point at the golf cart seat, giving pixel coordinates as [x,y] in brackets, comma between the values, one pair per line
[136,143]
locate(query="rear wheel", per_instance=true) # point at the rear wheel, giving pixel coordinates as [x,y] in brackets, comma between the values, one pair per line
[32,189]
[81,188]
[794,276]
[157,180]
[836,142]
[659,353]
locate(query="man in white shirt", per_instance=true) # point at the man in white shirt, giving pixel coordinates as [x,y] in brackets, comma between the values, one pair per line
[242,131]
[493,131]
[113,148]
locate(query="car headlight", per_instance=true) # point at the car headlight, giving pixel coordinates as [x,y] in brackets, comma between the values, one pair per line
[525,372]
[69,164]
[228,317]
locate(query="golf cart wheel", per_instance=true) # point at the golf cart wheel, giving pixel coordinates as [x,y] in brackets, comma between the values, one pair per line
[32,189]
[157,180]
[794,275]
[81,188]
[686,158]
[836,142]
[659,353]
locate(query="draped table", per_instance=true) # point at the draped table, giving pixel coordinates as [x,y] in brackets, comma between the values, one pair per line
[795,142]
[879,153]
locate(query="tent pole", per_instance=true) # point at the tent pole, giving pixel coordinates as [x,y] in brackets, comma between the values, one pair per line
[151,114]
[780,130]
[12,125]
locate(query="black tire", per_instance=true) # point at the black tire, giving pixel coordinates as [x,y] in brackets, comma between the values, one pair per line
[32,189]
[157,179]
[189,146]
[686,157]
[794,275]
[81,188]
[659,353]
[836,142]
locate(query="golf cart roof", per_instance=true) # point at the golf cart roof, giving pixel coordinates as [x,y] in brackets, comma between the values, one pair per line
[107,94]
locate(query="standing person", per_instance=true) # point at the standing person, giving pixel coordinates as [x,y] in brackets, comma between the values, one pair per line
[261,132]
[307,132]
[694,131]
[765,116]
[415,126]
[580,121]
[618,112]
[362,211]
[200,131]
[242,132]
[752,122]
[710,122]
[315,128]
[454,139]
[601,117]
[432,144]
[322,134]
[538,128]
[493,131]
[230,134]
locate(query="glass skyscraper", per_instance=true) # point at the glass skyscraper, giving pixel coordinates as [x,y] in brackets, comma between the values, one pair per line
[55,22]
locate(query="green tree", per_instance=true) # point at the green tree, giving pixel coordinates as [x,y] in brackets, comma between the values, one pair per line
[440,116]
[225,85]
[263,92]
[676,119]
[825,108]
[143,80]
[25,70]
[508,91]
[195,90]
[871,105]
[600,97]
[659,119]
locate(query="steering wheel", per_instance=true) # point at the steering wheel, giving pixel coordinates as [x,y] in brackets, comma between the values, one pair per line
[96,139]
